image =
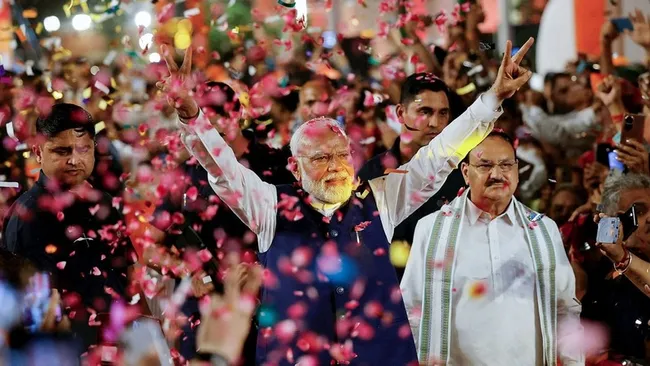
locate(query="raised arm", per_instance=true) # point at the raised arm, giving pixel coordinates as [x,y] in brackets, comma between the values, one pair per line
[252,200]
[400,194]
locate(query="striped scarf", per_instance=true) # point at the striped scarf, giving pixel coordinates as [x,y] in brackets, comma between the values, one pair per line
[435,324]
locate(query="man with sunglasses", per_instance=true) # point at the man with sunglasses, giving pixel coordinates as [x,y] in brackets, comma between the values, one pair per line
[488,280]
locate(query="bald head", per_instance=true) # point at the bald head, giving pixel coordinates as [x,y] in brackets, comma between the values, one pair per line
[315,99]
[313,131]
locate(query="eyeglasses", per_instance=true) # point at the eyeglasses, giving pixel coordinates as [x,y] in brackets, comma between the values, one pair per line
[323,159]
[504,166]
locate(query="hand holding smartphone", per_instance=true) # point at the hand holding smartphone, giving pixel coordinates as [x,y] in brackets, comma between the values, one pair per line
[609,227]
[622,24]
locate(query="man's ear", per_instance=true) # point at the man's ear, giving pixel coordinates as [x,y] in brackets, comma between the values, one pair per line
[464,168]
[400,112]
[293,168]
[38,152]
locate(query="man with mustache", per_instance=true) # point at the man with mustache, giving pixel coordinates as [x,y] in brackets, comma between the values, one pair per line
[488,281]
[330,292]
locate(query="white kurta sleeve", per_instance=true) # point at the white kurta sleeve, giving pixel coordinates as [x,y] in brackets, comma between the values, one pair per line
[558,129]
[413,279]
[398,195]
[569,329]
[251,199]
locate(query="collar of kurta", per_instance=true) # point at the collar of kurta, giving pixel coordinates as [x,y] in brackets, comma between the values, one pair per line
[435,324]
[474,212]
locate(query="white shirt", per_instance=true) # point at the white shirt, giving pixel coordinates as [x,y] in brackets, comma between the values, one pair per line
[397,194]
[500,326]
[568,130]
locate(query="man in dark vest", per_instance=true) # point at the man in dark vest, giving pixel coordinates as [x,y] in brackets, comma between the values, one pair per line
[426,107]
[330,293]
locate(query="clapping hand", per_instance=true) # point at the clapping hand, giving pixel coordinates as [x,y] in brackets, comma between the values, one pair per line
[511,76]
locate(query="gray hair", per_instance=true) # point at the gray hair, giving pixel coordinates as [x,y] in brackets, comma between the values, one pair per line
[616,184]
[300,135]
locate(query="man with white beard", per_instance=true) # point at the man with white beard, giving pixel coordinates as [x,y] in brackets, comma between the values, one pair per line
[331,293]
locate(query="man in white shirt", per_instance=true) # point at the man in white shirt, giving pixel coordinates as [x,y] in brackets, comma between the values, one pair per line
[488,281]
[331,288]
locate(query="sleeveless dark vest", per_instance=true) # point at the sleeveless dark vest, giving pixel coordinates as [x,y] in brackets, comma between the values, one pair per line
[335,278]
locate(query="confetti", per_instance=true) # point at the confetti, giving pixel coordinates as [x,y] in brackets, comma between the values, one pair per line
[478,289]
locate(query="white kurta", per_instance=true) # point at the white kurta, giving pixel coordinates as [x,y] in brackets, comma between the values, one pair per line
[495,304]
[497,259]
[397,195]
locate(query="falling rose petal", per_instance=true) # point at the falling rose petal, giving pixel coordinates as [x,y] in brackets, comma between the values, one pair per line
[302,256]
[478,289]
[460,192]
[404,331]
[166,13]
[204,255]
[61,265]
[60,216]
[361,226]
[379,252]
[373,309]
[192,193]
[364,331]
[285,330]
[73,232]
[297,310]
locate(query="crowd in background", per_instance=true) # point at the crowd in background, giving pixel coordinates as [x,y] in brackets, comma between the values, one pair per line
[157,195]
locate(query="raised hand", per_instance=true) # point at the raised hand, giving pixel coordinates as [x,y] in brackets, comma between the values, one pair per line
[226,320]
[511,76]
[641,32]
[177,85]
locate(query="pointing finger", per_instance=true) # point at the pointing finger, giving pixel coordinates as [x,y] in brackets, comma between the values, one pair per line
[186,68]
[523,50]
[169,59]
[506,55]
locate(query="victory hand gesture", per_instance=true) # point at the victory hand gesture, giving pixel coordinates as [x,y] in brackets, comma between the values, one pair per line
[511,76]
[177,85]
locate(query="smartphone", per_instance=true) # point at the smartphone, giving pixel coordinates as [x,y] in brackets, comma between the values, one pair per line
[36,301]
[608,227]
[614,163]
[329,39]
[629,221]
[633,127]
[602,153]
[622,24]
[608,230]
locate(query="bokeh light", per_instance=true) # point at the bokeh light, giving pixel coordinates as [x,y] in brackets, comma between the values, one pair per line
[81,22]
[154,57]
[51,23]
[143,19]
[182,39]
[146,41]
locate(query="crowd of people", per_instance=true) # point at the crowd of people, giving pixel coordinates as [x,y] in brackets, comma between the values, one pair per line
[337,206]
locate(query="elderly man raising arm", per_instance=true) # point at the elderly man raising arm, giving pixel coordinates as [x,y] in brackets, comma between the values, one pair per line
[331,292]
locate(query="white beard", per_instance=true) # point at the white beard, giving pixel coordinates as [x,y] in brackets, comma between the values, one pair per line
[323,193]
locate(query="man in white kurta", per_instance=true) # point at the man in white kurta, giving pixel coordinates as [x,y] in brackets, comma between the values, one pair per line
[488,281]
